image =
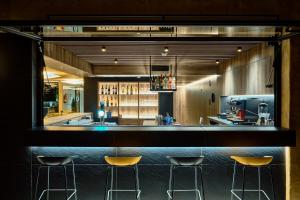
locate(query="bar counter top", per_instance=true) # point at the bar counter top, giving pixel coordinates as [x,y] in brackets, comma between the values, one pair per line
[160,136]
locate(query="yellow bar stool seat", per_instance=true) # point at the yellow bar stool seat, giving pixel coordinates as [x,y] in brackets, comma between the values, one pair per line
[123,161]
[253,161]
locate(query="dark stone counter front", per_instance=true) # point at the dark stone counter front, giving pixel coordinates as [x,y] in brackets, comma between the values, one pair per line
[167,136]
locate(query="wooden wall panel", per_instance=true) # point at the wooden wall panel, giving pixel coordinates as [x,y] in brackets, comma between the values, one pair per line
[294,117]
[193,102]
[246,73]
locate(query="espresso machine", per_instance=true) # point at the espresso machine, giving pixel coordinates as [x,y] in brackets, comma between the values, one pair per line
[263,114]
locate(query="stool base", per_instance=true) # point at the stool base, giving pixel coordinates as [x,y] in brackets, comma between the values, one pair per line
[192,190]
[240,190]
[58,190]
[110,191]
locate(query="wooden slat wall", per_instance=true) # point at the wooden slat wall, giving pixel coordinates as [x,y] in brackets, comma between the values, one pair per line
[246,73]
[191,103]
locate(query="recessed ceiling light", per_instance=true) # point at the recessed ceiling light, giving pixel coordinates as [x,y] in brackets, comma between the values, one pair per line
[166,49]
[239,49]
[103,49]
[217,62]
[116,61]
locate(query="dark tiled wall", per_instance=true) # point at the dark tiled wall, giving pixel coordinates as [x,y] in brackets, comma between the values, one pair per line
[154,171]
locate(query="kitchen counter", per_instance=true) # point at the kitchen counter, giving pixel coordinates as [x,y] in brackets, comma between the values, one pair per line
[220,121]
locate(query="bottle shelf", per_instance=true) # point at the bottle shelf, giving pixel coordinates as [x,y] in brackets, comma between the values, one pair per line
[141,104]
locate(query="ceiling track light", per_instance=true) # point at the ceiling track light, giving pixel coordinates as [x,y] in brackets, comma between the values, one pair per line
[217,62]
[103,49]
[166,49]
[116,61]
[239,49]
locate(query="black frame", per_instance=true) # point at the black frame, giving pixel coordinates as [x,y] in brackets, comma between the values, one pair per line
[163,20]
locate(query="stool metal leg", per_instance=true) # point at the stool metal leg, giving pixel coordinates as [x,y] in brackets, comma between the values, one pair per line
[74,180]
[137,183]
[202,184]
[259,184]
[37,183]
[272,182]
[48,183]
[196,184]
[244,180]
[173,182]
[170,181]
[111,183]
[66,182]
[106,185]
[233,179]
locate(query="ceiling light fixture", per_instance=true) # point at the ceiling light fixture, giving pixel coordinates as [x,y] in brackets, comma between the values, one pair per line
[73,81]
[50,75]
[103,49]
[116,61]
[217,62]
[239,49]
[166,49]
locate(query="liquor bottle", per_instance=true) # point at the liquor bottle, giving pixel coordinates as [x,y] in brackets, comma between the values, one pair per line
[131,90]
[105,92]
[107,103]
[111,101]
[102,90]
[170,81]
[152,83]
[165,80]
[156,83]
[123,90]
[108,90]
[116,101]
[136,91]
[117,89]
[127,90]
[173,83]
[161,82]
[104,100]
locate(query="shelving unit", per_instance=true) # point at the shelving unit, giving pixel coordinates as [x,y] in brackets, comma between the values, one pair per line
[108,93]
[148,102]
[129,100]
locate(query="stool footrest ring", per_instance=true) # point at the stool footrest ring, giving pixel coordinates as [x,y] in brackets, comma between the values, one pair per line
[191,190]
[58,190]
[119,190]
[248,190]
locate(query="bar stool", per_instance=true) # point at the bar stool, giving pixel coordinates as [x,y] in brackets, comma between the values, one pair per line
[51,162]
[256,162]
[114,162]
[194,162]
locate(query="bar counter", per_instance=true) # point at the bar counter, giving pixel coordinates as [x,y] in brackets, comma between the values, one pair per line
[160,136]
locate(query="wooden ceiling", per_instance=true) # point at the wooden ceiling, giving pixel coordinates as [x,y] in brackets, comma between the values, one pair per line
[138,53]
[194,59]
